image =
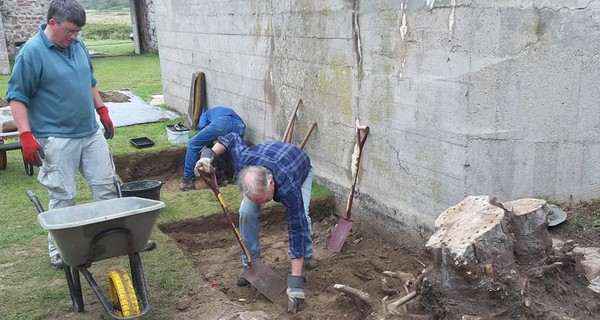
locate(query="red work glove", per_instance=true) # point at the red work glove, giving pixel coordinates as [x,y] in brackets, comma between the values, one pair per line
[32,151]
[109,130]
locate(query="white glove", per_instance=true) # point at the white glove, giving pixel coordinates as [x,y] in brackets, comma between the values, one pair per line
[295,292]
[203,166]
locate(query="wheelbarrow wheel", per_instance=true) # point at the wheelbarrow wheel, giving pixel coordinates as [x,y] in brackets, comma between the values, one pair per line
[122,294]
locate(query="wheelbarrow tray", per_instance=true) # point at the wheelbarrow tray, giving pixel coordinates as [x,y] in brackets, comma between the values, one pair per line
[99,230]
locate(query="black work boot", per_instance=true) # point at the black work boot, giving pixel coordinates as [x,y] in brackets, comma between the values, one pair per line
[242,282]
[187,184]
[310,263]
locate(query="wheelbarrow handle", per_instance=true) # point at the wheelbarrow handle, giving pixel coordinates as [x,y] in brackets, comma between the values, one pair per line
[118,188]
[35,201]
[211,182]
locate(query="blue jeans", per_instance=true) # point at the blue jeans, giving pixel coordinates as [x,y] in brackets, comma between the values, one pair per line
[249,223]
[219,127]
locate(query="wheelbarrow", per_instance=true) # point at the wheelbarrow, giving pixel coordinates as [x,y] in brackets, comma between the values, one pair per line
[101,230]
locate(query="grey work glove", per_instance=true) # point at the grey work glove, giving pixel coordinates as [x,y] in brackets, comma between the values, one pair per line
[295,292]
[204,164]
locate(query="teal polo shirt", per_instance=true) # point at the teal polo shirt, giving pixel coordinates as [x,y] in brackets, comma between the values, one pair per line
[56,86]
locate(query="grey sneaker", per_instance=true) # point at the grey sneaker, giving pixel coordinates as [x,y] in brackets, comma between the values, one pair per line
[150,245]
[311,263]
[56,261]
[187,184]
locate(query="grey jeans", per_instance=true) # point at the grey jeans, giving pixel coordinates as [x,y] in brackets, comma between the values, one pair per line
[90,156]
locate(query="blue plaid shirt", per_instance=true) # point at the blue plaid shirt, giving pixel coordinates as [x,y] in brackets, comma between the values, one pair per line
[289,165]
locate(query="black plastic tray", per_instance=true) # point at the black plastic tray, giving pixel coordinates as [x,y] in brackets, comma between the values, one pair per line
[142,142]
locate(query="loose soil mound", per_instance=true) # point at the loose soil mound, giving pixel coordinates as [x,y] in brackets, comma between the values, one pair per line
[114,96]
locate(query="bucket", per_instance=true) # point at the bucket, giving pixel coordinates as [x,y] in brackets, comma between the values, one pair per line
[149,189]
[178,134]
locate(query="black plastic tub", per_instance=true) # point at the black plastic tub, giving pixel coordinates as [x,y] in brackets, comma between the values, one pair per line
[149,189]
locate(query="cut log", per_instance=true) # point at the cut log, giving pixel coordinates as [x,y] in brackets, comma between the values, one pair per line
[489,250]
[530,229]
[469,236]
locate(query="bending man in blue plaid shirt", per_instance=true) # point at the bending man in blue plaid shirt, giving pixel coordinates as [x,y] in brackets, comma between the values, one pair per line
[271,171]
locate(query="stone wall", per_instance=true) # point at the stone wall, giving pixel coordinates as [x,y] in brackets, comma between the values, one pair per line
[144,22]
[21,20]
[150,27]
[462,96]
[4,63]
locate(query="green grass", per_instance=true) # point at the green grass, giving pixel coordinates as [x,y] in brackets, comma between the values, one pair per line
[29,288]
[575,222]
[3,85]
[112,31]
[110,47]
[140,74]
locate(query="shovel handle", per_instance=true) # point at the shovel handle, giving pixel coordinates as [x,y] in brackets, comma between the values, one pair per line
[360,143]
[287,136]
[305,140]
[211,182]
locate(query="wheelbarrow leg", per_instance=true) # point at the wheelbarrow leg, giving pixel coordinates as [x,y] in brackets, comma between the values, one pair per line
[139,282]
[74,284]
[90,279]
[72,275]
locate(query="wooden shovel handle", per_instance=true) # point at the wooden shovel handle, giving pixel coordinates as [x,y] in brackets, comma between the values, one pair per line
[360,142]
[211,182]
[305,140]
[287,136]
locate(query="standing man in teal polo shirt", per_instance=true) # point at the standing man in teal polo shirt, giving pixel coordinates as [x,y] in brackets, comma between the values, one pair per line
[54,101]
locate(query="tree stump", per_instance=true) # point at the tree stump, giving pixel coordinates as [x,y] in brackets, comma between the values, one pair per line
[483,254]
[530,229]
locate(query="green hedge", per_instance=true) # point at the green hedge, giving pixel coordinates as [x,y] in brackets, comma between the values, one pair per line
[96,31]
[104,4]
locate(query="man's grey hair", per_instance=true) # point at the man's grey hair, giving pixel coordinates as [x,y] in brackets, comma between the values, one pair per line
[67,10]
[254,179]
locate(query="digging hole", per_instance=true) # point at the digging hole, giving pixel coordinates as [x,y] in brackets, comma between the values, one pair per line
[209,242]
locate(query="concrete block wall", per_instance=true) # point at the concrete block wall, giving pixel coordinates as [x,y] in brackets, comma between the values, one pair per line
[462,97]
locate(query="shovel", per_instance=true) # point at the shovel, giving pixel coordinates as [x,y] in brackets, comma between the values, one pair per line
[344,224]
[262,277]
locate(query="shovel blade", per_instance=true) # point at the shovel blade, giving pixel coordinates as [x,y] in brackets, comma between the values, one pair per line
[339,234]
[264,279]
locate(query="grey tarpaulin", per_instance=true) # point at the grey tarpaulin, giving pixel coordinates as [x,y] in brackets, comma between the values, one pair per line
[136,111]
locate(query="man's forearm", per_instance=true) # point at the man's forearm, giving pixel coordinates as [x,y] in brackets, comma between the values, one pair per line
[19,114]
[219,149]
[97,98]
[297,266]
